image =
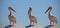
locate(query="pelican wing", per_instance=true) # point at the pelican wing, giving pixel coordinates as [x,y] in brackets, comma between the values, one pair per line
[34,19]
[54,18]
[13,18]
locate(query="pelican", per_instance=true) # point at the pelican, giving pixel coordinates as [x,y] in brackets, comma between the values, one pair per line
[32,18]
[11,18]
[52,18]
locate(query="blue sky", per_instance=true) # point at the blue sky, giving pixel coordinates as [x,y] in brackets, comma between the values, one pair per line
[22,6]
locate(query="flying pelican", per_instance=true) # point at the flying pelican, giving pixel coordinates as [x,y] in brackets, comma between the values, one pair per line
[52,18]
[11,18]
[32,18]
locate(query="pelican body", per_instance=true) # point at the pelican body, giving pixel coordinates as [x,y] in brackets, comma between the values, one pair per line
[32,18]
[11,18]
[52,18]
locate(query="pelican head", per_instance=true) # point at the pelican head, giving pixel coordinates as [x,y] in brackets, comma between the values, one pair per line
[11,9]
[30,9]
[49,9]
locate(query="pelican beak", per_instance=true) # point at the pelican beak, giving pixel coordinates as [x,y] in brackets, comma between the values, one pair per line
[13,10]
[47,10]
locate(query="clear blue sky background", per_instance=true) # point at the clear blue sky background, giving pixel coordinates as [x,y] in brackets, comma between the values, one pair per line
[21,7]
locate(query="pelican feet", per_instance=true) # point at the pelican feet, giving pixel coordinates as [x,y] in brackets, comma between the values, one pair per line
[49,26]
[29,26]
[8,26]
